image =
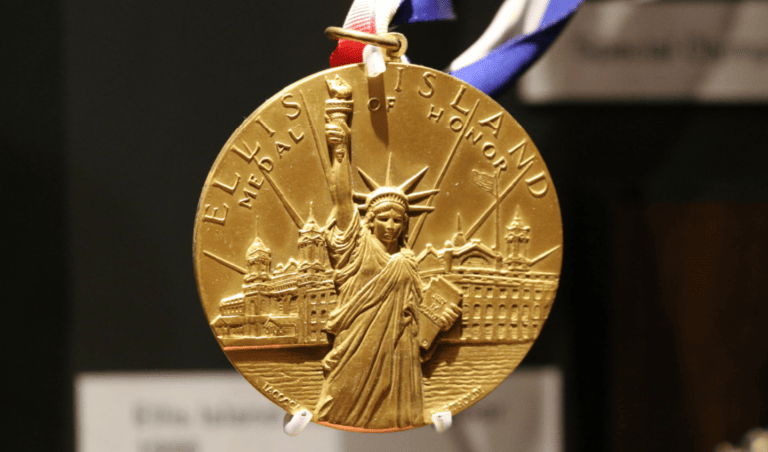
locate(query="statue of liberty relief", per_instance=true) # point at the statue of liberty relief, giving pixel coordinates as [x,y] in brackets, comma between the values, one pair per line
[373,372]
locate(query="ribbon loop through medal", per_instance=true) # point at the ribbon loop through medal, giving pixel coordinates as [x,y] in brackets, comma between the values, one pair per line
[375,61]
[395,43]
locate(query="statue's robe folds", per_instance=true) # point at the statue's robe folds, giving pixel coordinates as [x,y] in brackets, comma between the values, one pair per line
[373,373]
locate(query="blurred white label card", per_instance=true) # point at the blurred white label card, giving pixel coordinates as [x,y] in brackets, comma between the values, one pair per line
[682,51]
[184,412]
[220,411]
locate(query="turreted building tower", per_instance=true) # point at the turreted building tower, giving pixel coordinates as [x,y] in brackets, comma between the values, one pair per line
[517,238]
[312,249]
[259,259]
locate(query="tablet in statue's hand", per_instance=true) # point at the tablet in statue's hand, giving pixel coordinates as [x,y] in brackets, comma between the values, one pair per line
[439,310]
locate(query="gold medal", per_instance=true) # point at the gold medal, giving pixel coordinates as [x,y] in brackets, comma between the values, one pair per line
[377,249]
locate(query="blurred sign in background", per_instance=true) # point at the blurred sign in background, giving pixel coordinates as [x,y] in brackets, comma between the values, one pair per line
[220,411]
[678,51]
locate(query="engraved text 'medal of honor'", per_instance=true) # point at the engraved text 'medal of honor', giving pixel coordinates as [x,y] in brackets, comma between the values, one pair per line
[251,192]
[249,149]
[537,184]
[374,103]
[253,184]
[265,164]
[247,153]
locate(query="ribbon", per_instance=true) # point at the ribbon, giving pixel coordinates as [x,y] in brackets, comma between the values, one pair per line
[375,16]
[518,35]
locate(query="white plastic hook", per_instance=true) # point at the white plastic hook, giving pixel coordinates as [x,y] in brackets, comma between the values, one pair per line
[442,421]
[294,424]
[374,60]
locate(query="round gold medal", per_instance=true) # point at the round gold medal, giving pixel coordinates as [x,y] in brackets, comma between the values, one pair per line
[377,250]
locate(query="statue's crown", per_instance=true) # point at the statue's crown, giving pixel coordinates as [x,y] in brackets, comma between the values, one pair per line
[402,194]
[386,195]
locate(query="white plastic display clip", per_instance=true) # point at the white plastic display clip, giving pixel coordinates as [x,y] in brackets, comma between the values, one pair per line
[442,421]
[294,424]
[374,60]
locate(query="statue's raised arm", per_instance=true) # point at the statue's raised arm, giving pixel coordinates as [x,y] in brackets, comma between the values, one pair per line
[338,116]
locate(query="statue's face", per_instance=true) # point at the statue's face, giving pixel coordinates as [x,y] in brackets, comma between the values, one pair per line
[388,225]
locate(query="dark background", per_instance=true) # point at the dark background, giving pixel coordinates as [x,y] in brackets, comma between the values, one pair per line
[113,113]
